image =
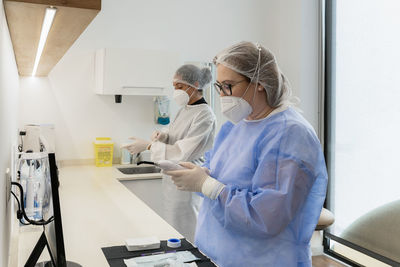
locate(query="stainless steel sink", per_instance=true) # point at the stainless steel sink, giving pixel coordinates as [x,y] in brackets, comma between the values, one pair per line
[139,170]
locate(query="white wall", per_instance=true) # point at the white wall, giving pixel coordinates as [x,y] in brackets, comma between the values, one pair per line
[292,33]
[8,128]
[66,97]
[195,29]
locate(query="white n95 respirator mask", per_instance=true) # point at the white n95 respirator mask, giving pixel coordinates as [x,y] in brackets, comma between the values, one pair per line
[181,97]
[235,108]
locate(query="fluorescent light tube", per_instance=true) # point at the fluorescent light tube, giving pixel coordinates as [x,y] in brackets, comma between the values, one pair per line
[47,22]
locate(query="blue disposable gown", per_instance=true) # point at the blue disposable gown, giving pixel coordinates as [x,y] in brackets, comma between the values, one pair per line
[275,176]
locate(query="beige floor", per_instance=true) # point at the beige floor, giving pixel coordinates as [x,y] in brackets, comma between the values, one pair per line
[325,261]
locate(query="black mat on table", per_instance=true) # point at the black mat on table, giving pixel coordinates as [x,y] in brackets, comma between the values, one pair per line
[116,255]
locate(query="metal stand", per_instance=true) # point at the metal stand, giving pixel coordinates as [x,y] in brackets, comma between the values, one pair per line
[37,251]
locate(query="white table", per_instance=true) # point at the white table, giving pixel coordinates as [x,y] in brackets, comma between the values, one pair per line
[97,211]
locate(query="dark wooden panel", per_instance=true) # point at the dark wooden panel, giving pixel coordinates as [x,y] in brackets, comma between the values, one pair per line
[67,27]
[25,24]
[88,4]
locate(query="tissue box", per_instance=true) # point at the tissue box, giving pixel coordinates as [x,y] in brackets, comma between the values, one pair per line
[134,244]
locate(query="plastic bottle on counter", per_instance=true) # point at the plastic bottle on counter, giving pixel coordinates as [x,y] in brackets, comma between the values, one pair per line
[126,156]
[30,193]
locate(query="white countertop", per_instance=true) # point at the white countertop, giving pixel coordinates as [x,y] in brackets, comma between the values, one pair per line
[97,211]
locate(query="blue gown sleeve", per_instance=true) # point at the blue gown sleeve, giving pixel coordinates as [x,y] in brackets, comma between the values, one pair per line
[225,128]
[206,163]
[282,180]
[208,154]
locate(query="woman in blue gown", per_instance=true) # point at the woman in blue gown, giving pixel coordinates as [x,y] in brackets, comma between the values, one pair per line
[264,181]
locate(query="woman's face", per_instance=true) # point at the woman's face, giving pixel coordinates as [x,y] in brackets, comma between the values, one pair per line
[238,83]
[180,86]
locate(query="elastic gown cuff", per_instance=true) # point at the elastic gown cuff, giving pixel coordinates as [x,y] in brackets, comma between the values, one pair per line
[157,150]
[212,188]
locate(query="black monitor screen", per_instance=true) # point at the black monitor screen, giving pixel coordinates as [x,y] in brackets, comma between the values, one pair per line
[51,207]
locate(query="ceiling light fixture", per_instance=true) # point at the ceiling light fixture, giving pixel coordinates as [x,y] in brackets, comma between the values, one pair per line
[47,22]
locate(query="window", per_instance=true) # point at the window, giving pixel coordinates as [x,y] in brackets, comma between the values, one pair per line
[362,135]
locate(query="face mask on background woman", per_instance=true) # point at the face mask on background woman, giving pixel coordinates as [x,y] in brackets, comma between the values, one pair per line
[181,97]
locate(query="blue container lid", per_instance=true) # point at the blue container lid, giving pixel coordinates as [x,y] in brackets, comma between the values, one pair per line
[163,120]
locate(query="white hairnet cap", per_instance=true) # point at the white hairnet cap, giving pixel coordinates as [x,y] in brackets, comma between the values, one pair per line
[260,66]
[190,74]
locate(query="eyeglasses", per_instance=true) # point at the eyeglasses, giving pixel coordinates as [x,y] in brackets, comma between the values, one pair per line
[226,88]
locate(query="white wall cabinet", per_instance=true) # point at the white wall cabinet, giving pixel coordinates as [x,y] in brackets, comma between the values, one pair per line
[125,71]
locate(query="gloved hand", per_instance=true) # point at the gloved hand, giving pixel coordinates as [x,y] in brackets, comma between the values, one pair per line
[138,145]
[206,170]
[196,179]
[158,136]
[191,179]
